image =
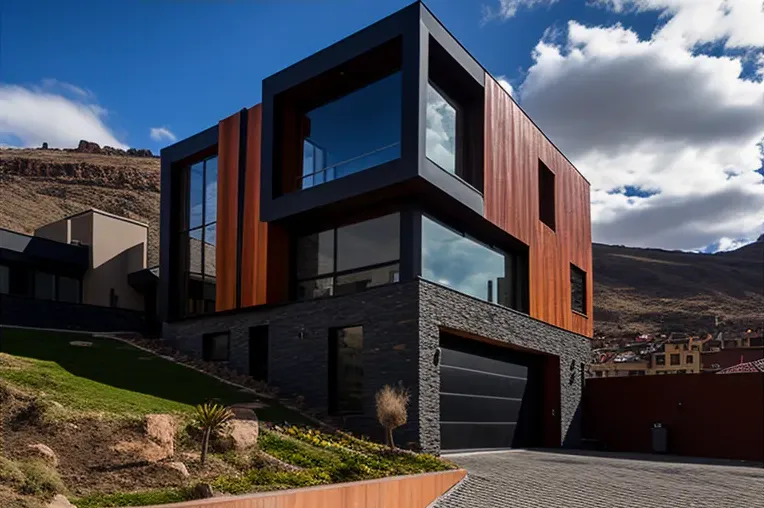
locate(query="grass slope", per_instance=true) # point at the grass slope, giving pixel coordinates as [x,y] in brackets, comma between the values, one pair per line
[114,377]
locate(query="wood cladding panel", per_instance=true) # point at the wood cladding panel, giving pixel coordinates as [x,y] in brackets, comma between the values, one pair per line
[227,212]
[415,491]
[513,148]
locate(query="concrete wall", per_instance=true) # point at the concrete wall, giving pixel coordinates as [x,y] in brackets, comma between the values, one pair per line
[707,415]
[401,332]
[33,313]
[58,231]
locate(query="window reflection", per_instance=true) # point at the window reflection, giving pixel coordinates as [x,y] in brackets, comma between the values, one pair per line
[454,260]
[366,255]
[356,132]
[440,139]
[346,374]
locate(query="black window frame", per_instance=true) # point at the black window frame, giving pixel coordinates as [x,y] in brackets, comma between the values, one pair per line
[183,233]
[333,400]
[547,190]
[334,274]
[208,346]
[578,272]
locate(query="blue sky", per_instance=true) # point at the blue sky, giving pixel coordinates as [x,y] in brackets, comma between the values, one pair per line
[660,103]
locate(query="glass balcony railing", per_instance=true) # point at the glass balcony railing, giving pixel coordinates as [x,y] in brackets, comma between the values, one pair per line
[313,157]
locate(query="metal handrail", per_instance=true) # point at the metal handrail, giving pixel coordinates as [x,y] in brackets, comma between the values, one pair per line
[347,161]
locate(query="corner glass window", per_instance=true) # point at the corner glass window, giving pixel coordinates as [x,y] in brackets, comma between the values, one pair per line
[5,280]
[198,237]
[348,259]
[353,133]
[44,286]
[346,370]
[452,259]
[440,143]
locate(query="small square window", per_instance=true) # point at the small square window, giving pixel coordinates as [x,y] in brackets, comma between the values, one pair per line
[215,346]
[546,196]
[675,360]
[690,359]
[660,359]
[577,289]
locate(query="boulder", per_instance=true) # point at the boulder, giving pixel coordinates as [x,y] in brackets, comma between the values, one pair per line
[140,451]
[203,491]
[244,433]
[60,502]
[88,147]
[160,429]
[43,452]
[180,468]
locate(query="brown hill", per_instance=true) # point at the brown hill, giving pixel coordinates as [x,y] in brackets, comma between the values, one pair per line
[635,290]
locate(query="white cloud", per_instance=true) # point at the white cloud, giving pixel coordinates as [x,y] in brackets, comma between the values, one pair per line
[502,80]
[36,115]
[162,133]
[50,85]
[654,115]
[739,23]
[508,8]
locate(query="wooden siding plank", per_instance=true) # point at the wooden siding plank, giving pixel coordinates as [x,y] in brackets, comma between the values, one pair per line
[227,213]
[513,147]
[254,232]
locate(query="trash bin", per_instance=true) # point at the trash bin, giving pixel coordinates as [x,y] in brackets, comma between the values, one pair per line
[659,438]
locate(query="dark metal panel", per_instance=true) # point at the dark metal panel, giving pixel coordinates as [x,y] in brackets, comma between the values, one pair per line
[471,408]
[483,363]
[460,380]
[450,44]
[470,436]
[452,185]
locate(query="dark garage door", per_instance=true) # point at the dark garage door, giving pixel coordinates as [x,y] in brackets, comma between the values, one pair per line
[490,397]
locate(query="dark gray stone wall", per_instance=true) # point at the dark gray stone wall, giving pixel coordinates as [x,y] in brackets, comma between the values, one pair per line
[299,346]
[31,312]
[443,307]
[401,334]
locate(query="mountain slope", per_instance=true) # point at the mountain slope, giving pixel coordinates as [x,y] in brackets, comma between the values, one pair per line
[635,290]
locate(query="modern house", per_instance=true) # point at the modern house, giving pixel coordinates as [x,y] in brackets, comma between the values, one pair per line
[65,274]
[388,214]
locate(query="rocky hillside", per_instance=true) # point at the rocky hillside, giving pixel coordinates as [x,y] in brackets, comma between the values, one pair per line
[40,186]
[635,290]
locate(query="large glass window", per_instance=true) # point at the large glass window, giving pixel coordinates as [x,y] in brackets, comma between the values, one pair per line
[466,265]
[69,290]
[349,258]
[440,144]
[346,370]
[355,132]
[5,280]
[197,238]
[44,286]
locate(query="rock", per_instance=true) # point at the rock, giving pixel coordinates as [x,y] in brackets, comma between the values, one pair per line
[244,433]
[60,502]
[43,452]
[139,152]
[141,451]
[161,430]
[45,146]
[88,147]
[180,468]
[80,343]
[243,413]
[203,491]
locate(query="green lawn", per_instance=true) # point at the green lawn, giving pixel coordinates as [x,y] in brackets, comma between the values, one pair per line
[114,377]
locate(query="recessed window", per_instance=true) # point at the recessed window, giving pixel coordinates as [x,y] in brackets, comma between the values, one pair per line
[5,280]
[346,370]
[215,346]
[348,259]
[455,260]
[546,196]
[690,359]
[440,136]
[353,133]
[660,359]
[198,237]
[578,289]
[675,359]
[44,286]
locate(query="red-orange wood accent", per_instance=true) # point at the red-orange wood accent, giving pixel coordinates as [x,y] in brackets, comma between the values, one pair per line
[265,247]
[227,212]
[513,147]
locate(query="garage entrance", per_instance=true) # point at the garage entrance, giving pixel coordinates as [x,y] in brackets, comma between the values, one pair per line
[490,396]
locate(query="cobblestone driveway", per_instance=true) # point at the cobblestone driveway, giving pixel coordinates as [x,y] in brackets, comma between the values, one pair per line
[548,479]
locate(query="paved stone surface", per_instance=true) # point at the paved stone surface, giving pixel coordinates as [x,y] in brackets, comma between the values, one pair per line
[551,479]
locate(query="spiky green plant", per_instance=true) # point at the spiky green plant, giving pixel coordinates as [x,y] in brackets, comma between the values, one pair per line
[210,417]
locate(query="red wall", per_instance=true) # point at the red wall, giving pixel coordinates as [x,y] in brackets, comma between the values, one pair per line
[707,415]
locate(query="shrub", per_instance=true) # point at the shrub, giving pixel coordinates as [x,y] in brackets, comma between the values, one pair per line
[392,409]
[210,418]
[40,479]
[10,474]
[151,497]
[296,452]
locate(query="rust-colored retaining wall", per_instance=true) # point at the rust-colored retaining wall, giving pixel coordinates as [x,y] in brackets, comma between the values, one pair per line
[707,415]
[415,491]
